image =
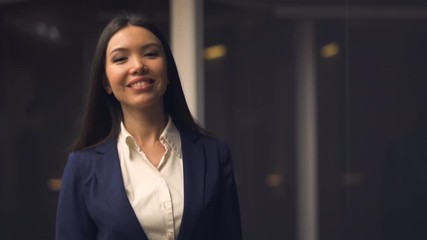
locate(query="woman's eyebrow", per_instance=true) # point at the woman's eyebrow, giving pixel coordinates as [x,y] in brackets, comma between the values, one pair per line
[120,49]
[124,49]
[148,45]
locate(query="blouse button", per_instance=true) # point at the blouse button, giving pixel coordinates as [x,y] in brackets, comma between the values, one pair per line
[166,205]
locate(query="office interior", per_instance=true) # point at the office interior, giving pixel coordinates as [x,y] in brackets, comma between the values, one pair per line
[311,96]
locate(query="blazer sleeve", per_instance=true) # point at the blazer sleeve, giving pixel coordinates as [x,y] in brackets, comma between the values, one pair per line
[72,219]
[229,223]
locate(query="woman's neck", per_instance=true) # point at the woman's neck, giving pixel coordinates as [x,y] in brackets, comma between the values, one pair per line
[145,126]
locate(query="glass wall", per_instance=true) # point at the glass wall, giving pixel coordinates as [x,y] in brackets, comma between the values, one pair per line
[250,101]
[370,90]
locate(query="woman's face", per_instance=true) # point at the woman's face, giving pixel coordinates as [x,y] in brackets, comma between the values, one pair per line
[135,67]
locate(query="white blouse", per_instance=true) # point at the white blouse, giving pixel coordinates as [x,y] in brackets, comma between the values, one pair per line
[156,194]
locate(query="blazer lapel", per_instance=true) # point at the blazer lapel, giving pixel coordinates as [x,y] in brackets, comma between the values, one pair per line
[111,188]
[194,182]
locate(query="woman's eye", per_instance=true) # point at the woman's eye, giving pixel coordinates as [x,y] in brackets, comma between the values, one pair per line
[152,54]
[118,59]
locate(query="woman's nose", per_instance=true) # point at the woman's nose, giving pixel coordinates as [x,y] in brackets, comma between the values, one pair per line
[139,67]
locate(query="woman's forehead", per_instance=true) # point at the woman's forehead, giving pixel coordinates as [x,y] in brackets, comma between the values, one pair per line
[132,36]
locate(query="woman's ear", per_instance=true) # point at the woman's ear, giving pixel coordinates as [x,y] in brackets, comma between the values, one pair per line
[108,89]
[107,86]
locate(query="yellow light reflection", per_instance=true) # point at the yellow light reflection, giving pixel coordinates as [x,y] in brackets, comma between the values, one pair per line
[274,180]
[54,184]
[330,50]
[215,52]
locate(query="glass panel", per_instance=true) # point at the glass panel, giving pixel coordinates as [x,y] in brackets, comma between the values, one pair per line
[250,102]
[372,125]
[371,113]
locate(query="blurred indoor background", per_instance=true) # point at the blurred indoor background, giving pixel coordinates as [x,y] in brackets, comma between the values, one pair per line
[309,94]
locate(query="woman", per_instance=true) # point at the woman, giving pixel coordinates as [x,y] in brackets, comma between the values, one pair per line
[141,167]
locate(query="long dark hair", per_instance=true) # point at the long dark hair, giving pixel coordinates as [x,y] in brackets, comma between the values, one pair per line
[103,112]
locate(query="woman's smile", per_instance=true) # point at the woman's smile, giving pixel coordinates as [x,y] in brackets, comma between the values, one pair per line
[141,83]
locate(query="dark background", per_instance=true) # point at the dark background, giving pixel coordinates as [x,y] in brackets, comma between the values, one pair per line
[370,94]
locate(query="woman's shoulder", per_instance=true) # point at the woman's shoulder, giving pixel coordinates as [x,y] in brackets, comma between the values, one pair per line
[204,138]
[214,144]
[89,154]
[86,153]
[94,150]
[210,139]
[81,159]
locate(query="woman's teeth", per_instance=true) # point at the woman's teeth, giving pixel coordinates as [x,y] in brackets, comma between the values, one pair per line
[139,84]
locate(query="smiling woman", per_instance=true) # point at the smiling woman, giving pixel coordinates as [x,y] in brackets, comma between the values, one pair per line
[142,168]
[136,71]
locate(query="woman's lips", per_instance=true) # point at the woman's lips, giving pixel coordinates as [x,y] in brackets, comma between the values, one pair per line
[141,83]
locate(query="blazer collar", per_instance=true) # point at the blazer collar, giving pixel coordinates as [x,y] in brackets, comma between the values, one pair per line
[194,171]
[109,174]
[110,178]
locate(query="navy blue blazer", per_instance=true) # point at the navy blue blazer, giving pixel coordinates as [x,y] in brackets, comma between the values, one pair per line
[93,203]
